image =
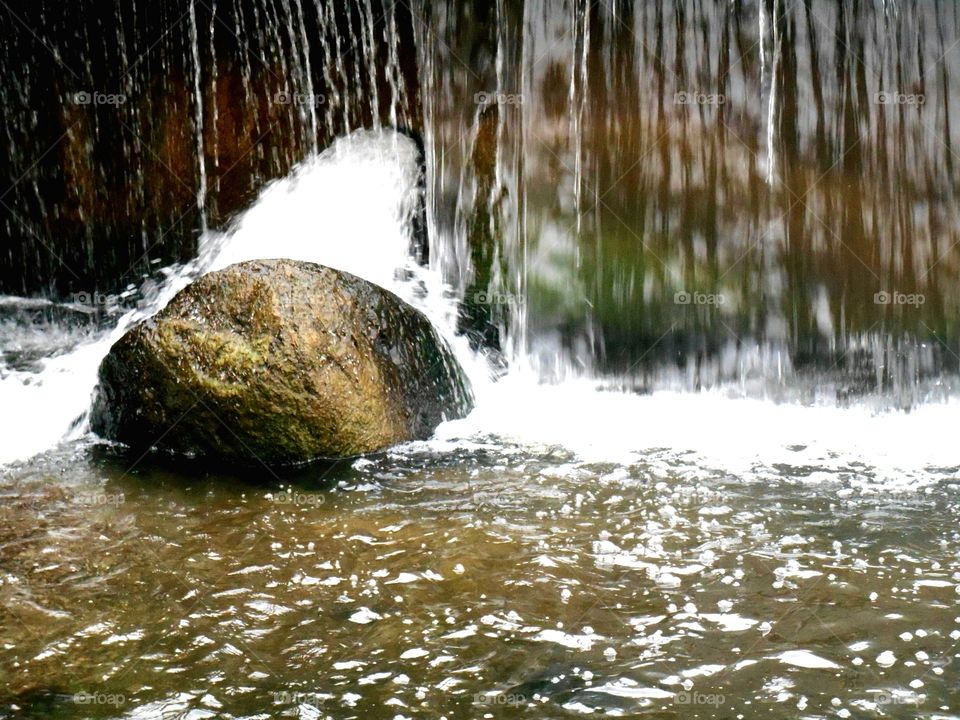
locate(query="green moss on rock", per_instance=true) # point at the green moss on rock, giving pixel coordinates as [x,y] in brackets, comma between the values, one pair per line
[279,361]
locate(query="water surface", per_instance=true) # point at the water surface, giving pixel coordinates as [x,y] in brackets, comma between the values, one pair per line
[479,580]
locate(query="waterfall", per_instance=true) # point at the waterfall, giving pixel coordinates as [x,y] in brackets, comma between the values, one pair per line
[308,76]
[628,198]
[772,93]
[215,120]
[198,117]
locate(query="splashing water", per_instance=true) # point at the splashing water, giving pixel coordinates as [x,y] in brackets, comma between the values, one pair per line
[350,208]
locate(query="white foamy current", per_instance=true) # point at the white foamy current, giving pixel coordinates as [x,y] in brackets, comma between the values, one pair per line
[351,207]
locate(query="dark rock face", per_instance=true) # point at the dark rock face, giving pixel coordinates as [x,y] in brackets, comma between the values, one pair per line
[278,361]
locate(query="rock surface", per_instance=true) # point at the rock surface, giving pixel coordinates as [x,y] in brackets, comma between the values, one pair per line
[279,361]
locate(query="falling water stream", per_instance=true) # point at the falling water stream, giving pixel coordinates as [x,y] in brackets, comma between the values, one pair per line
[679,249]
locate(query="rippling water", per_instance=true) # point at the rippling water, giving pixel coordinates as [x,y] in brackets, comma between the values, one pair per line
[474,580]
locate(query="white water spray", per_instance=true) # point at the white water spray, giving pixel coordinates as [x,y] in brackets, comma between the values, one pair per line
[350,208]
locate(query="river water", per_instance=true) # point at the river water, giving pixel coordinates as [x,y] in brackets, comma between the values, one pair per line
[475,578]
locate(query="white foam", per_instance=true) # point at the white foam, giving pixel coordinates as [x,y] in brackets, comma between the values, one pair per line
[350,208]
[745,437]
[40,408]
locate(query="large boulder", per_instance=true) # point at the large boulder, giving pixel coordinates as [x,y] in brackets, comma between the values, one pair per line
[278,361]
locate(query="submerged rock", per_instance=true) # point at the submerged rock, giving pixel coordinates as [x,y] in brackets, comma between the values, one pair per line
[279,361]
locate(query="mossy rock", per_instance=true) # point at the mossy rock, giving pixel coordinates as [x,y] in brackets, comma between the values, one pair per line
[279,362]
